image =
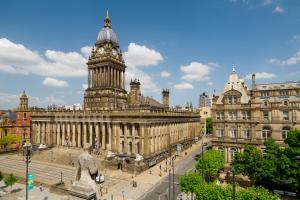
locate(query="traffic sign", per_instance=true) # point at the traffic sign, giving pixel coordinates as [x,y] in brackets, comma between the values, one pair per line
[30,181]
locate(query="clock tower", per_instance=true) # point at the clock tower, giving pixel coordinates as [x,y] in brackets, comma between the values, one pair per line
[106,73]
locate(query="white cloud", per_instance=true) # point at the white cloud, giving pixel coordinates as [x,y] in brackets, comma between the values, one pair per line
[9,101]
[196,71]
[165,74]
[296,38]
[84,86]
[290,61]
[86,51]
[267,2]
[52,82]
[141,56]
[183,86]
[17,59]
[278,9]
[261,75]
[138,56]
[210,83]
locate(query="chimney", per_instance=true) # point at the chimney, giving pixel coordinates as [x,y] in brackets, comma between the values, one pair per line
[165,97]
[253,82]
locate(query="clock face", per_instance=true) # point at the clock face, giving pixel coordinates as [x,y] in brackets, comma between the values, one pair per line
[101,50]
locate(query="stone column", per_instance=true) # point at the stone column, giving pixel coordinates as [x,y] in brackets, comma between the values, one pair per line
[134,143]
[118,79]
[126,133]
[73,135]
[58,134]
[91,133]
[38,132]
[103,136]
[63,143]
[121,84]
[68,131]
[89,78]
[109,136]
[84,134]
[226,154]
[97,133]
[142,139]
[79,142]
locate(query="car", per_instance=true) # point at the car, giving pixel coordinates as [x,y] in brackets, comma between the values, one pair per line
[100,178]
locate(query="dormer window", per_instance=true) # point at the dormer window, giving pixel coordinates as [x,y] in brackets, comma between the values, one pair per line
[285,102]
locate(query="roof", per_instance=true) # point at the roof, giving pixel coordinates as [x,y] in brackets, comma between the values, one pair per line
[276,86]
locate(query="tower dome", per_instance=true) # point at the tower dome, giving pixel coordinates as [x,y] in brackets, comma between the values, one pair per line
[106,34]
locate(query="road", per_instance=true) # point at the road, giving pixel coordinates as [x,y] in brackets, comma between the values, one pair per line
[161,191]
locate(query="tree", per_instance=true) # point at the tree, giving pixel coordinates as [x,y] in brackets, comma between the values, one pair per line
[274,167]
[10,180]
[189,182]
[209,125]
[211,161]
[216,192]
[10,139]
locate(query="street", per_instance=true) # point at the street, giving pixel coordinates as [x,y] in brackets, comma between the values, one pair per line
[161,191]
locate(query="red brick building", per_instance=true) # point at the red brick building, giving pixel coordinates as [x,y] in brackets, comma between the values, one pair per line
[16,121]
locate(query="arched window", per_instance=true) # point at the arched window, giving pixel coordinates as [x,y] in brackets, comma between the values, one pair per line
[221,149]
[266,132]
[285,102]
[285,131]
[265,103]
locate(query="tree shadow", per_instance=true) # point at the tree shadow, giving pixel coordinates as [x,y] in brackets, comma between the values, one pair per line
[3,187]
[16,190]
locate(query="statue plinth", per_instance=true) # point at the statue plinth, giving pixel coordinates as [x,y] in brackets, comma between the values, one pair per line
[80,190]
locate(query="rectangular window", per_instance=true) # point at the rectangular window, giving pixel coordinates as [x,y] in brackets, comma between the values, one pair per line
[247,133]
[285,115]
[24,116]
[244,115]
[266,115]
[222,115]
[284,93]
[284,134]
[266,134]
[217,115]
[220,132]
[233,133]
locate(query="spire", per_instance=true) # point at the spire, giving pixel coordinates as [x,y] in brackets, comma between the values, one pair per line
[107,21]
[233,69]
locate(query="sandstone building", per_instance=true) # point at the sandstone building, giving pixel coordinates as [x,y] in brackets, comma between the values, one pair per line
[243,116]
[113,119]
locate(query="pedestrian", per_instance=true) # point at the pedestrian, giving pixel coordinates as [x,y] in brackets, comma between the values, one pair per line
[41,188]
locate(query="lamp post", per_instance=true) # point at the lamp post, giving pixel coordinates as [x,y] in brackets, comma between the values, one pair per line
[27,154]
[203,145]
[233,183]
[169,184]
[173,158]
[24,136]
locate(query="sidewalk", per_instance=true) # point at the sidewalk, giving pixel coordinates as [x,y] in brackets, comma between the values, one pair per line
[147,180]
[18,193]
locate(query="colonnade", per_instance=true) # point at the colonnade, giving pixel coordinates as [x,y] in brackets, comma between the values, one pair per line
[106,76]
[118,137]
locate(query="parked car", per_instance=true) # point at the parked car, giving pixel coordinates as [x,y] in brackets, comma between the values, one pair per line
[100,178]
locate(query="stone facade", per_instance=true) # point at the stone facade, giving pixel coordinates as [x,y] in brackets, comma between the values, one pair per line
[245,116]
[112,119]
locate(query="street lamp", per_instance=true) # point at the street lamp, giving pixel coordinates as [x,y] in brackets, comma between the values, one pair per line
[203,145]
[173,158]
[27,153]
[233,183]
[24,136]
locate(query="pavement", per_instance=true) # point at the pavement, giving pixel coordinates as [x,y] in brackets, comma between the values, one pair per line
[17,192]
[153,186]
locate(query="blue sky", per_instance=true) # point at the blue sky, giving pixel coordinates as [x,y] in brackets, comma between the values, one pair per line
[187,46]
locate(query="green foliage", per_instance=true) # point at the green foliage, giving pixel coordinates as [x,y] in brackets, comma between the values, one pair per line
[10,139]
[211,161]
[10,180]
[209,125]
[273,168]
[215,192]
[189,182]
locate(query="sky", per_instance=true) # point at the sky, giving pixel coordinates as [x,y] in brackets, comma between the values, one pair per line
[187,46]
